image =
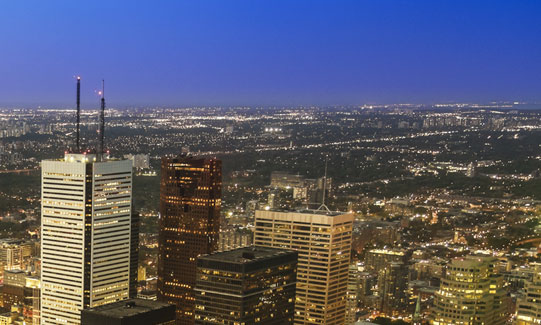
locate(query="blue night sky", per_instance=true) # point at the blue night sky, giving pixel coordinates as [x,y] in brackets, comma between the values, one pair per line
[273,52]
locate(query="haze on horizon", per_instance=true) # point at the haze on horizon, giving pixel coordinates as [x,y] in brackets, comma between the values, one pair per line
[182,53]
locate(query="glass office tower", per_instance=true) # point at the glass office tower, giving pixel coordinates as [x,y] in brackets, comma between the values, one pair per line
[249,285]
[190,200]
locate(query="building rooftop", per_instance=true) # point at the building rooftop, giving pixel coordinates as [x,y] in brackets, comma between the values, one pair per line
[472,261]
[15,271]
[388,251]
[312,211]
[127,308]
[13,241]
[247,255]
[85,157]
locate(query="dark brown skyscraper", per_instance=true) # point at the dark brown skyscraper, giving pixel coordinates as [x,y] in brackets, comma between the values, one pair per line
[190,200]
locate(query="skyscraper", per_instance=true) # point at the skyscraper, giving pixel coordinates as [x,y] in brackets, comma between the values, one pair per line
[249,285]
[378,259]
[470,293]
[392,286]
[353,293]
[529,306]
[323,241]
[190,200]
[85,241]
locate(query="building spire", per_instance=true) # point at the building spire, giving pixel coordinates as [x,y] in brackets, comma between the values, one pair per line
[78,142]
[102,121]
[323,206]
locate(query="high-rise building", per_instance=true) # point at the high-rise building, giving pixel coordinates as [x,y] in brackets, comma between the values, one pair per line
[15,254]
[286,180]
[323,240]
[12,292]
[280,198]
[470,293]
[391,273]
[367,283]
[529,306]
[249,285]
[190,200]
[140,161]
[234,238]
[130,312]
[85,241]
[392,288]
[378,259]
[316,187]
[353,293]
[32,304]
[21,290]
[298,187]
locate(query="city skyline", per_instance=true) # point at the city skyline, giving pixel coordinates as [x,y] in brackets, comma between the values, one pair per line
[417,188]
[270,163]
[242,53]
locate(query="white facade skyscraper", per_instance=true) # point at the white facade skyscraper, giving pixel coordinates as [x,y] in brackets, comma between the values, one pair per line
[85,235]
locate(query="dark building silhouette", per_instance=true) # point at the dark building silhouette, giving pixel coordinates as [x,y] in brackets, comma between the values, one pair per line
[190,200]
[392,286]
[249,285]
[11,295]
[130,312]
[134,254]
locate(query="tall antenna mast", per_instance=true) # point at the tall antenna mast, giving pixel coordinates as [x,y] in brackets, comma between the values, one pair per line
[102,119]
[323,206]
[78,113]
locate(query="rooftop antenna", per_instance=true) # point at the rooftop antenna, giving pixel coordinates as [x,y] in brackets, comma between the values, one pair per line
[323,206]
[102,119]
[78,113]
